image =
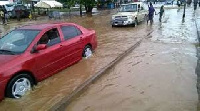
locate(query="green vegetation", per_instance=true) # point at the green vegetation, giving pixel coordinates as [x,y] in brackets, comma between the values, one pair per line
[66,9]
[88,4]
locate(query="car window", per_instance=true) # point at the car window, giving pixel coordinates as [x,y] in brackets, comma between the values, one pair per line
[70,32]
[50,38]
[78,31]
[142,8]
[128,8]
[18,40]
[138,6]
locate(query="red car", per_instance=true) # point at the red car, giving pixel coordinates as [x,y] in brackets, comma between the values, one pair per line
[32,53]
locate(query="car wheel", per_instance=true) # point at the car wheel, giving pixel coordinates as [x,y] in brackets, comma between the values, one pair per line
[133,25]
[145,17]
[87,52]
[136,21]
[19,86]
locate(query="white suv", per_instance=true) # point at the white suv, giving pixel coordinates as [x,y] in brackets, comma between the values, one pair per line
[130,14]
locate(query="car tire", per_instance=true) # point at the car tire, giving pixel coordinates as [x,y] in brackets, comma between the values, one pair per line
[87,52]
[133,25]
[136,21]
[19,85]
[145,17]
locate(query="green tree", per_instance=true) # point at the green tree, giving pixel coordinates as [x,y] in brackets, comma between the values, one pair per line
[26,1]
[89,4]
[71,3]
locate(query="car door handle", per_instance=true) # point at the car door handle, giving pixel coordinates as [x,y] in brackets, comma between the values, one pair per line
[81,38]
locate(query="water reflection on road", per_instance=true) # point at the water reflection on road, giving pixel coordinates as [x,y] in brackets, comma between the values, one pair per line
[157,76]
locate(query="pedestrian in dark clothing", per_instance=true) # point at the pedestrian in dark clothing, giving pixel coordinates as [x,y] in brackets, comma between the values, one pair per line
[199,3]
[195,4]
[179,3]
[5,16]
[18,14]
[155,2]
[161,12]
[151,13]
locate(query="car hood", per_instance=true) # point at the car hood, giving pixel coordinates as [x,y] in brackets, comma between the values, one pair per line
[126,14]
[6,58]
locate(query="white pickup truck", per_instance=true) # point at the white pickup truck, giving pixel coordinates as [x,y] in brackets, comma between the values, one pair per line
[130,14]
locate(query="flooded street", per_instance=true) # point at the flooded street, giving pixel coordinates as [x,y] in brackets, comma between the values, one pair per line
[159,75]
[111,43]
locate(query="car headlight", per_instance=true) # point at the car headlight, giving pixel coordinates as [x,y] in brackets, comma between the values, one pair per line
[113,17]
[130,18]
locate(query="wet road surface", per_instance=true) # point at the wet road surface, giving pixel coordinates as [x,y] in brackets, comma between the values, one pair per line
[158,76]
[111,43]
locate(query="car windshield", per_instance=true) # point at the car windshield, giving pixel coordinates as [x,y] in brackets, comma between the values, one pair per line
[17,41]
[128,8]
[9,5]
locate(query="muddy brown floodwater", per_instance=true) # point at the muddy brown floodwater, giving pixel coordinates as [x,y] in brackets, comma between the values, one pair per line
[111,43]
[158,76]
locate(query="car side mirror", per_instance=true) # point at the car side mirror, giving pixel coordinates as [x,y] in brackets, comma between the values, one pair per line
[39,47]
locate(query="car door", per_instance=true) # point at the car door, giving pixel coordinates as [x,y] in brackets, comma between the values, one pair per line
[139,13]
[143,12]
[72,45]
[47,61]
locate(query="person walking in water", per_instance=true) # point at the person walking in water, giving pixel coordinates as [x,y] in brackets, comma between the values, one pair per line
[5,16]
[2,16]
[18,14]
[161,12]
[151,13]
[178,3]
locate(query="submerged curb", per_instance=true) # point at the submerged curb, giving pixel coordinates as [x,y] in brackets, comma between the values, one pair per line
[198,30]
[66,100]
[198,61]
[169,7]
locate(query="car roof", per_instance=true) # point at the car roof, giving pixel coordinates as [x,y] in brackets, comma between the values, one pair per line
[43,26]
